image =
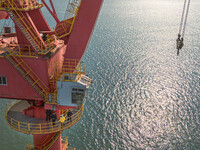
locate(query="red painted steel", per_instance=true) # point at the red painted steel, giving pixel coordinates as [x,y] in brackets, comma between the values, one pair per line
[75,45]
[83,27]
[53,13]
[3,15]
[59,107]
[41,139]
[20,37]
[17,87]
[39,20]
[27,22]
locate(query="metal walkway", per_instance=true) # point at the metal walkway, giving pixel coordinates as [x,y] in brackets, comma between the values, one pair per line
[25,124]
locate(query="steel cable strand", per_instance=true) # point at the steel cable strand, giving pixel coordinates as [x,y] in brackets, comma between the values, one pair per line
[186,16]
[182,17]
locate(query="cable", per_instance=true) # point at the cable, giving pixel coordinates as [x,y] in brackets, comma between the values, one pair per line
[186,16]
[181,24]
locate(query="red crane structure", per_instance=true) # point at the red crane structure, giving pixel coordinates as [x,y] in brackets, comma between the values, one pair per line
[42,67]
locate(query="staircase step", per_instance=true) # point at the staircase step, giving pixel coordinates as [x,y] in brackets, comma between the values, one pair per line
[28,76]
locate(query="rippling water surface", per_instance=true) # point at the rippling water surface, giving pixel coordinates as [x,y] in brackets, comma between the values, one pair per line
[143,95]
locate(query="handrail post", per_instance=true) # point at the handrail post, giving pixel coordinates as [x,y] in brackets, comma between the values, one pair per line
[29,127]
[18,125]
[29,49]
[40,128]
[6,110]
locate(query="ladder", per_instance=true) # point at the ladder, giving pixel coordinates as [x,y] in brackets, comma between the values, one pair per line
[25,31]
[25,26]
[23,68]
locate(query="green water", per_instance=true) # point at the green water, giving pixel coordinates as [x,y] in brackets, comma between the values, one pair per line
[143,95]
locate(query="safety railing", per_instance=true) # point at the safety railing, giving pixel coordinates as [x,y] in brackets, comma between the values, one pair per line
[21,20]
[55,69]
[41,128]
[48,144]
[20,50]
[65,142]
[29,75]
[71,148]
[23,50]
[67,71]
[69,66]
[70,70]
[74,66]
[71,8]
[2,4]
[75,4]
[49,43]
[23,5]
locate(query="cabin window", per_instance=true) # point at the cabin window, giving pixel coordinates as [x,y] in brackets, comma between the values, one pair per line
[3,80]
[78,96]
[7,30]
[66,77]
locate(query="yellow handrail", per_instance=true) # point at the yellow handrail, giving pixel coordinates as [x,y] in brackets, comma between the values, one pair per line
[25,6]
[64,140]
[47,144]
[44,90]
[23,19]
[71,68]
[72,24]
[42,128]
[21,50]
[26,24]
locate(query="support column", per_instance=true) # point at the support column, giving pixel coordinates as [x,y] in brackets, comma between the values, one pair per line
[46,140]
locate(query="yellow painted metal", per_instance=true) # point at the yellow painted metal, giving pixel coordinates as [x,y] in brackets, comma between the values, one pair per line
[41,128]
[33,78]
[50,143]
[69,66]
[72,23]
[28,5]
[72,67]
[19,50]
[2,2]
[65,141]
[47,145]
[28,29]
[26,23]
[70,148]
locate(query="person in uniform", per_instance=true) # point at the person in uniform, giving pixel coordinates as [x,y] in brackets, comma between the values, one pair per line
[62,119]
[69,114]
[54,118]
[48,115]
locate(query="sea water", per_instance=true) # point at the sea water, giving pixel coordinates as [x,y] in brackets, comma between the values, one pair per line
[143,95]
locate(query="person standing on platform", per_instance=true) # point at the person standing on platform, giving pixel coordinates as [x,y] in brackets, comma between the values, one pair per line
[62,119]
[69,114]
[48,115]
[54,118]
